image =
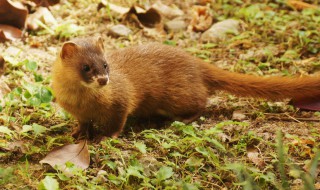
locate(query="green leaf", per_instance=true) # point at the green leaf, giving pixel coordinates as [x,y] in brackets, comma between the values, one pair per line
[31,88]
[189,130]
[164,173]
[141,147]
[45,95]
[188,186]
[216,143]
[38,129]
[111,165]
[48,183]
[170,42]
[6,131]
[34,101]
[67,30]
[26,128]
[30,65]
[38,77]
[134,171]
[194,161]
[203,151]
[6,175]
[115,179]
[27,95]
[178,124]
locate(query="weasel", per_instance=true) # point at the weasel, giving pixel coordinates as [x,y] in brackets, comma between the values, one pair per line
[153,79]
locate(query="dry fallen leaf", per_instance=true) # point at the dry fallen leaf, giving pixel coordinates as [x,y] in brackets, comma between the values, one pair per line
[150,18]
[305,146]
[9,33]
[254,156]
[2,65]
[238,115]
[299,5]
[219,30]
[167,11]
[46,3]
[16,146]
[4,89]
[12,13]
[12,17]
[77,154]
[201,18]
[144,18]
[114,8]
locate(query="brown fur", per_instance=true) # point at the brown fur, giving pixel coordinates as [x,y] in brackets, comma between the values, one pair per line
[156,79]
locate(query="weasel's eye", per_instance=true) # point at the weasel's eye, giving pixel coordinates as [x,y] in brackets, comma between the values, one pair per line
[105,66]
[86,68]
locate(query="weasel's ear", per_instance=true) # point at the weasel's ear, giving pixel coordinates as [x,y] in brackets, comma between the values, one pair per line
[100,43]
[68,50]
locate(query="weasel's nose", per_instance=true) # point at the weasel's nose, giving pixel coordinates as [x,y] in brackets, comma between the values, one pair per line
[102,81]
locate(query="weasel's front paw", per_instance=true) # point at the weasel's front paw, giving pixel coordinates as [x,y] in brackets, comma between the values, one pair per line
[80,134]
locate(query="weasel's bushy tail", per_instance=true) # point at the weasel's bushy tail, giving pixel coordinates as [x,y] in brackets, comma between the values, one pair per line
[272,88]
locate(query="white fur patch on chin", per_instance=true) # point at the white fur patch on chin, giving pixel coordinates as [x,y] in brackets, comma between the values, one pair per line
[85,84]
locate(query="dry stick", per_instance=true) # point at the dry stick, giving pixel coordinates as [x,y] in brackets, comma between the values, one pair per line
[290,118]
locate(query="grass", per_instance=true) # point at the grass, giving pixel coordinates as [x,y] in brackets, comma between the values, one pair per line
[276,146]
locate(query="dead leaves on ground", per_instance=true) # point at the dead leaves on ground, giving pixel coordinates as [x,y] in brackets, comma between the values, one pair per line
[77,154]
[201,18]
[158,16]
[304,147]
[2,65]
[46,3]
[255,157]
[14,16]
[147,19]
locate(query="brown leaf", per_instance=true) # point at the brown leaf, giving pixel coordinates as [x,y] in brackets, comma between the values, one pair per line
[4,89]
[299,5]
[46,3]
[78,154]
[13,14]
[238,115]
[201,18]
[16,146]
[9,33]
[150,18]
[305,146]
[303,142]
[254,156]
[2,62]
[219,31]
[115,8]
[167,11]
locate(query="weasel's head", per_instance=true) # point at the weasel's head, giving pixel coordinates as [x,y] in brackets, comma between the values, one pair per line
[84,59]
